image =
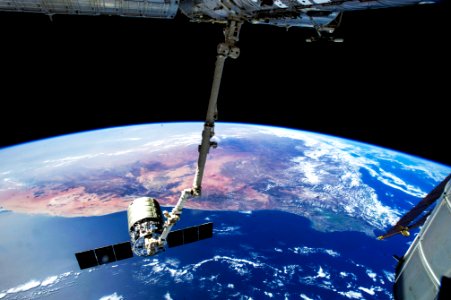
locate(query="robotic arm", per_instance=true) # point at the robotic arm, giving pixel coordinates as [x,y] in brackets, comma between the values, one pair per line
[149,232]
[225,50]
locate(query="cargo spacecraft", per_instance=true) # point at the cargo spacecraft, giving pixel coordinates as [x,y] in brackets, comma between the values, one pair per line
[149,235]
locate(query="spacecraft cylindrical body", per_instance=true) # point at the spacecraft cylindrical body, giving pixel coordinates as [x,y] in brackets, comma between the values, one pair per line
[144,209]
[145,221]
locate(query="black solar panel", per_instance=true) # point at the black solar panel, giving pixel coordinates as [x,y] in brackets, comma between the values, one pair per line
[86,259]
[190,234]
[123,250]
[205,231]
[108,254]
[105,255]
[175,238]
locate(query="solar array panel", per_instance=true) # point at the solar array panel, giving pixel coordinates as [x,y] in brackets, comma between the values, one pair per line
[104,255]
[123,250]
[86,259]
[190,235]
[112,253]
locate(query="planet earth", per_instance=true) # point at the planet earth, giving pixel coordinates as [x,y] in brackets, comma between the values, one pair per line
[295,213]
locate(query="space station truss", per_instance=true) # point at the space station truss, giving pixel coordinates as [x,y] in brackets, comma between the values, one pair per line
[129,8]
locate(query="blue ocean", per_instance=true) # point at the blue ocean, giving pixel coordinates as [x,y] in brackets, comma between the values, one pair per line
[252,255]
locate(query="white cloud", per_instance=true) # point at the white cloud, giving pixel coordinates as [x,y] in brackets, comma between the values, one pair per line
[308,250]
[172,261]
[269,294]
[331,252]
[230,260]
[371,274]
[24,287]
[113,296]
[352,294]
[309,169]
[390,276]
[49,280]
[395,182]
[228,230]
[36,283]
[167,296]
[344,189]
[303,296]
[368,291]
[154,262]
[322,274]
[64,161]
[352,156]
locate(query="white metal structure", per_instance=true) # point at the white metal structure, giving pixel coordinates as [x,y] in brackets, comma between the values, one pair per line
[322,15]
[428,261]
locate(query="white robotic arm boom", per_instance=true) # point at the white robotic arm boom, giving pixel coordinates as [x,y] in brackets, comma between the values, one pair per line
[225,50]
[149,233]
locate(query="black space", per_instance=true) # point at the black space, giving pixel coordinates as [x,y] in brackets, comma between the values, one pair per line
[388,84]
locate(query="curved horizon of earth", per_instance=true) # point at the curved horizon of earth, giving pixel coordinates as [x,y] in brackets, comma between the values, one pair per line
[295,213]
[331,181]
